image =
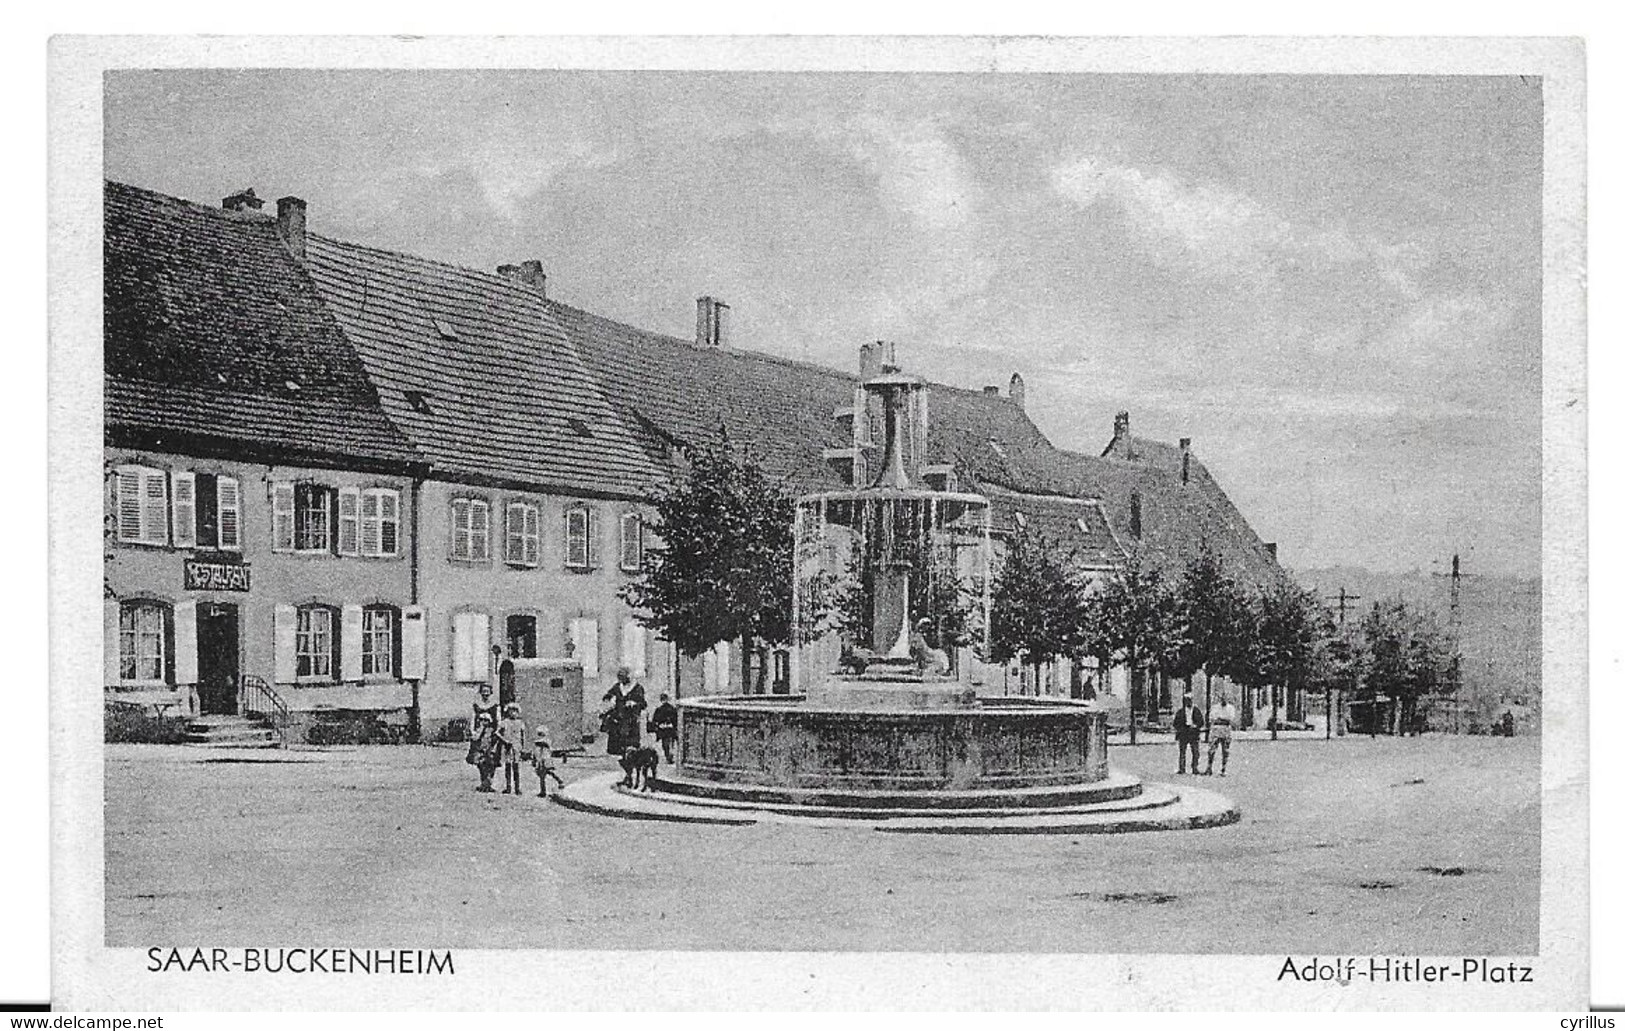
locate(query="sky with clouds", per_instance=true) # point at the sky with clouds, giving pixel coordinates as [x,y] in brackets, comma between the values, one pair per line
[1331,284]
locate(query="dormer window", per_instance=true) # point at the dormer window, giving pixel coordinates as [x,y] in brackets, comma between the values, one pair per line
[446,330]
[419,401]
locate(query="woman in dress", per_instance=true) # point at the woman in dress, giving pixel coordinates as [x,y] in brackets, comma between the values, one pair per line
[483,750]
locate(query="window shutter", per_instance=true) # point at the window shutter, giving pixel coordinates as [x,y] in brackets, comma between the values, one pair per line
[480,644]
[634,649]
[282,518]
[349,499]
[372,529]
[350,643]
[389,522]
[462,658]
[110,636]
[414,651]
[228,500]
[186,642]
[284,625]
[533,534]
[183,492]
[584,635]
[127,490]
[479,530]
[154,506]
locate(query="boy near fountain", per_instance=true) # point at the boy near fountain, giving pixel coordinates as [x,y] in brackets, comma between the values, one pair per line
[542,759]
[510,742]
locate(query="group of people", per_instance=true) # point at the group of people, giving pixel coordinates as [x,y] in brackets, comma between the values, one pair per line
[623,722]
[1188,724]
[498,738]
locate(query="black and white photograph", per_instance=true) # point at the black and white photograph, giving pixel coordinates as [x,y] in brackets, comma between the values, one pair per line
[644,518]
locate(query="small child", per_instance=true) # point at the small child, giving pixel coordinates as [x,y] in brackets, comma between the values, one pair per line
[542,756]
[511,741]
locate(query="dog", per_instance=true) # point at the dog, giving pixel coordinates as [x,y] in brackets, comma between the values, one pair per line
[641,766]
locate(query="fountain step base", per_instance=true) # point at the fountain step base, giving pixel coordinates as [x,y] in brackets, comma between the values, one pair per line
[1152,807]
[1115,786]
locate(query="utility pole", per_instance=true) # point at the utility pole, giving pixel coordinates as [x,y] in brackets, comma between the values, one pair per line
[1343,599]
[1455,640]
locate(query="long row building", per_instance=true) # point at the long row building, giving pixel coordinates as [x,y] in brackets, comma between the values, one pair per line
[355,478]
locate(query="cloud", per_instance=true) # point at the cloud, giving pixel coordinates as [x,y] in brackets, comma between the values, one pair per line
[1222,234]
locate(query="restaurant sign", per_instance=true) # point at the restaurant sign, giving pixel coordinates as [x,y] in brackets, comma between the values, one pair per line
[216,576]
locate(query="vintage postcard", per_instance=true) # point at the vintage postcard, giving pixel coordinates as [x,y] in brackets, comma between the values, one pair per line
[822,523]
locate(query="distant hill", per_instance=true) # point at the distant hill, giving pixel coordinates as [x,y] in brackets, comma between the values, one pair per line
[1500,623]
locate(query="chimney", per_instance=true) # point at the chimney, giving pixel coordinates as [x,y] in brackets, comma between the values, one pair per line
[290,225]
[888,357]
[1184,459]
[1269,546]
[1018,390]
[530,272]
[710,320]
[242,200]
[526,273]
[1120,427]
[869,358]
[991,390]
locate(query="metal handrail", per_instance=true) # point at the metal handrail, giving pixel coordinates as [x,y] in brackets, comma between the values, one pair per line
[261,699]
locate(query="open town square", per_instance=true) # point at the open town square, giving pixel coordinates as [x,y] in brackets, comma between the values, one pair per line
[1408,845]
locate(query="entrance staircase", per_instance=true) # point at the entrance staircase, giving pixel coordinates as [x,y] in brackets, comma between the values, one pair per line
[231,732]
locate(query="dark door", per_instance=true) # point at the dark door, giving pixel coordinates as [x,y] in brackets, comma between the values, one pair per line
[217,659]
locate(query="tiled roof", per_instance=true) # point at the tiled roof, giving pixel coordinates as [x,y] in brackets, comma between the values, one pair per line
[1176,518]
[675,389]
[476,369]
[213,338]
[1078,525]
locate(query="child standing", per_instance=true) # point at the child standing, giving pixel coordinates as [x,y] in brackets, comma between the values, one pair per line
[511,741]
[542,755]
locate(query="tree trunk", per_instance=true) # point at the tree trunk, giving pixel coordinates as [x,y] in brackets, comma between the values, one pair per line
[745,645]
[1207,707]
[1275,713]
[1133,703]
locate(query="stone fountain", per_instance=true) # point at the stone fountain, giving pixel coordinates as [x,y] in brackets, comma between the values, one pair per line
[888,727]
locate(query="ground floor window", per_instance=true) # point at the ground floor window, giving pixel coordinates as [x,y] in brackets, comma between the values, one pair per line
[315,644]
[522,637]
[379,625]
[142,636]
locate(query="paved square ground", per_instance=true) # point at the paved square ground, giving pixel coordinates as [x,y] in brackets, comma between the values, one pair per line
[1427,845]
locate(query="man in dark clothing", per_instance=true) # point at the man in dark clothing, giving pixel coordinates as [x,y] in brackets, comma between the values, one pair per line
[663,723]
[1188,731]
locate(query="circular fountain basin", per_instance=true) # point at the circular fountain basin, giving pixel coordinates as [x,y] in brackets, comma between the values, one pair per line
[825,742]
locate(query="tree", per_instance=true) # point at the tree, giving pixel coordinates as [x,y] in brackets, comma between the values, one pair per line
[1405,657]
[1292,626]
[1135,616]
[1214,614]
[1037,603]
[724,569]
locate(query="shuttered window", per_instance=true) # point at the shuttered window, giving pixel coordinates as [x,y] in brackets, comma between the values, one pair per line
[313,507]
[578,538]
[142,641]
[470,529]
[631,542]
[315,644]
[524,534]
[142,502]
[380,630]
[349,521]
[183,499]
[381,522]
